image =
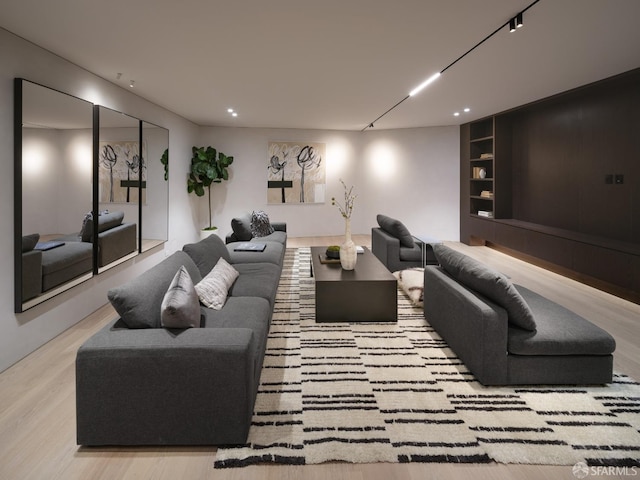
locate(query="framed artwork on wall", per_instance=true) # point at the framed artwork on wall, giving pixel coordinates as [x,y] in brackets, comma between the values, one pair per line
[120,168]
[296,172]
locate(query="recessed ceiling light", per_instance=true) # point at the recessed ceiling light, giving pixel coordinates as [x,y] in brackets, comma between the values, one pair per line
[234,114]
[230,110]
[467,110]
[456,114]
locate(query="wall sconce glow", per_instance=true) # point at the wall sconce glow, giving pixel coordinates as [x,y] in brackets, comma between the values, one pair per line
[82,154]
[424,84]
[383,160]
[33,160]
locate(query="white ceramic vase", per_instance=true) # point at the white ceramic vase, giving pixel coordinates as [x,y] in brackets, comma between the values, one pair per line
[348,252]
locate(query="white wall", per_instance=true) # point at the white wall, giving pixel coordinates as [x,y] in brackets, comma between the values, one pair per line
[23,333]
[409,174]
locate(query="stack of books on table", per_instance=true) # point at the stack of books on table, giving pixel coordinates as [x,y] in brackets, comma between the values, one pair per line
[485,213]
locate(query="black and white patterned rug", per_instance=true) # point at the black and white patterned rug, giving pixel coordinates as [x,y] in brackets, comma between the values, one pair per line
[363,392]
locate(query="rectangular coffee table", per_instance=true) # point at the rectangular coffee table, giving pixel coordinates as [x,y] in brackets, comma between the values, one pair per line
[366,294]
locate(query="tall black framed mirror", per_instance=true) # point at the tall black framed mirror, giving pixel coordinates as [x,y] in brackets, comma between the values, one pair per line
[154,220]
[121,176]
[53,168]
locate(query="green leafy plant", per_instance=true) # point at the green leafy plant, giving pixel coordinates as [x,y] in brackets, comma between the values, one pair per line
[208,166]
[164,159]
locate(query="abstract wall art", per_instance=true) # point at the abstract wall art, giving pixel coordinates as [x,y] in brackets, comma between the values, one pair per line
[296,172]
[120,166]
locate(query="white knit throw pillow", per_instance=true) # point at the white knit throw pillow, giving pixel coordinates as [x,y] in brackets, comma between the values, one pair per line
[214,288]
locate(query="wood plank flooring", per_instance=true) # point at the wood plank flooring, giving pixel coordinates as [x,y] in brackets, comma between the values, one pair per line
[37,403]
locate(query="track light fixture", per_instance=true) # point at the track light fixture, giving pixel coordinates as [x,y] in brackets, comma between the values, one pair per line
[514,23]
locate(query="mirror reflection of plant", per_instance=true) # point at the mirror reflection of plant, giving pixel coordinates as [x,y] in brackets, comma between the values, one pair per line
[108,158]
[208,166]
[164,159]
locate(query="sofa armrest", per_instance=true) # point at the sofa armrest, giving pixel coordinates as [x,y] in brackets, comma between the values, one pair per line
[386,248]
[116,242]
[31,274]
[475,328]
[165,387]
[279,226]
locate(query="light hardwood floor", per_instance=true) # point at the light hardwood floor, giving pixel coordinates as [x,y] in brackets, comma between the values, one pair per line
[37,403]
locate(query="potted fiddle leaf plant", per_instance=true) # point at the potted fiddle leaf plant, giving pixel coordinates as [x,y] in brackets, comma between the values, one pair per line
[208,166]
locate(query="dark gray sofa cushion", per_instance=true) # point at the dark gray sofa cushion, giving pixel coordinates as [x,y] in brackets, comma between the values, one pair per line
[105,222]
[29,242]
[273,253]
[206,253]
[396,229]
[559,331]
[139,301]
[241,227]
[256,280]
[487,282]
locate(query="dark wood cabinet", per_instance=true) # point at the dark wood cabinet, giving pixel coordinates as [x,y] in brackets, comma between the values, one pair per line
[564,174]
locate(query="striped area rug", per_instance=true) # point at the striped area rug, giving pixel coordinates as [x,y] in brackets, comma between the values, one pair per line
[363,392]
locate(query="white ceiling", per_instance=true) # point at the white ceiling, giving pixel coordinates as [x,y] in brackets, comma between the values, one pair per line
[335,64]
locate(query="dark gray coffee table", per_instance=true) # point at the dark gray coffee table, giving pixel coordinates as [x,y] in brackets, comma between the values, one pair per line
[366,294]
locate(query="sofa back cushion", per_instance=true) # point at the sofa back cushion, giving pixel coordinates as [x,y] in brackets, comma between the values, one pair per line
[241,227]
[139,301]
[29,242]
[396,229]
[206,253]
[106,221]
[486,281]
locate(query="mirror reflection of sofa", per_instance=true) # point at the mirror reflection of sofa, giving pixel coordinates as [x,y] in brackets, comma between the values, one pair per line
[47,265]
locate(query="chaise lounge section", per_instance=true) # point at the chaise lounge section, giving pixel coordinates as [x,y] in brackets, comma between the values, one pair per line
[509,335]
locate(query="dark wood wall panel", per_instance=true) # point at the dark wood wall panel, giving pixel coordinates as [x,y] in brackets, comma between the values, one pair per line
[552,161]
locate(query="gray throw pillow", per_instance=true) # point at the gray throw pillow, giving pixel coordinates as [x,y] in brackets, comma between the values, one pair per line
[241,227]
[139,301]
[396,229]
[180,306]
[214,288]
[29,242]
[206,253]
[493,285]
[260,224]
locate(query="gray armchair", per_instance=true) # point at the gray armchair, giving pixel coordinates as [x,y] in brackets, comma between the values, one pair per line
[396,248]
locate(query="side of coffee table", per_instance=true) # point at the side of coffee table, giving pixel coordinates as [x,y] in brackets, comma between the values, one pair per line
[366,294]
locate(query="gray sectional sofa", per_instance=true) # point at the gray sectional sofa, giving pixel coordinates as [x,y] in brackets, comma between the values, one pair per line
[45,270]
[194,386]
[508,335]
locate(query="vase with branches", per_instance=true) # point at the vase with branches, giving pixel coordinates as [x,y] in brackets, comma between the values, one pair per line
[208,166]
[348,251]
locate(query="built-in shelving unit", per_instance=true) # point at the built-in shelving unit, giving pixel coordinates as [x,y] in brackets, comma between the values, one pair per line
[481,168]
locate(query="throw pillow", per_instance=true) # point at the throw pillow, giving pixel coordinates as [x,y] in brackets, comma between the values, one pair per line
[396,229]
[241,227]
[214,288]
[260,225]
[139,301]
[487,282]
[180,306]
[29,242]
